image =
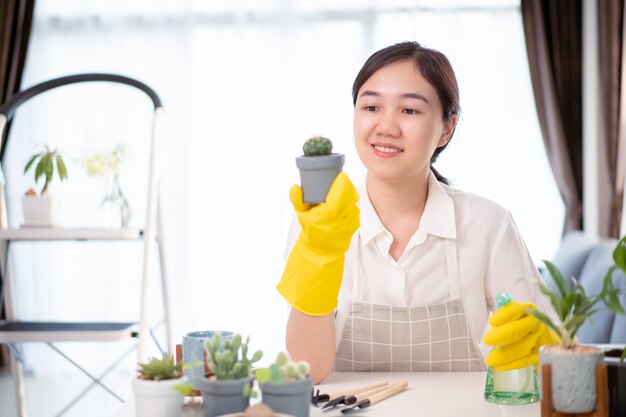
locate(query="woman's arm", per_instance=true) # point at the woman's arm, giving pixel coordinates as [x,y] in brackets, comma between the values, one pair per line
[312,338]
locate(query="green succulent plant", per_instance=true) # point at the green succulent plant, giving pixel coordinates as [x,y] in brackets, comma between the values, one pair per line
[574,306]
[47,159]
[283,369]
[228,359]
[317,146]
[158,369]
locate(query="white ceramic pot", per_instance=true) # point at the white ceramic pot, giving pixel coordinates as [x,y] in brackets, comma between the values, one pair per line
[158,398]
[573,376]
[40,210]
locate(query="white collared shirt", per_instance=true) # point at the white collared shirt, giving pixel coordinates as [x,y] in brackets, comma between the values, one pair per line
[492,258]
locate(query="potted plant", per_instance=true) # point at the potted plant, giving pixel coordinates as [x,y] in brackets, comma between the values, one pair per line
[286,386]
[226,388]
[159,388]
[573,365]
[107,165]
[318,168]
[40,210]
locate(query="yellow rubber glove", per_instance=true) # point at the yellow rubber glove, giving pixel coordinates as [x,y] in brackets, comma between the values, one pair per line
[517,336]
[312,276]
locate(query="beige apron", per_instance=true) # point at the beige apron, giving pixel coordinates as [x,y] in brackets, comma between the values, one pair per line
[429,338]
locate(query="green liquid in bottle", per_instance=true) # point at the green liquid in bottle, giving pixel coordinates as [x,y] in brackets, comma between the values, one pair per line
[515,387]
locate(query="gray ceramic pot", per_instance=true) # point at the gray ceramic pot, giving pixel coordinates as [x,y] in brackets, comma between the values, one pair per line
[573,376]
[317,174]
[223,397]
[291,397]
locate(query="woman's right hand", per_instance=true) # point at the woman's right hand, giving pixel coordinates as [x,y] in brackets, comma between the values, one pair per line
[314,270]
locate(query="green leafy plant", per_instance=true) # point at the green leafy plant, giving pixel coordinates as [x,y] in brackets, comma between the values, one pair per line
[228,359]
[283,369]
[574,306]
[166,368]
[159,369]
[46,161]
[317,146]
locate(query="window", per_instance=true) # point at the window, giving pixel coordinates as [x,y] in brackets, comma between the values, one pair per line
[243,84]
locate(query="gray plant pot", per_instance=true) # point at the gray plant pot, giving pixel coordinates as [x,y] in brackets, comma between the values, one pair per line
[573,376]
[223,397]
[290,397]
[317,174]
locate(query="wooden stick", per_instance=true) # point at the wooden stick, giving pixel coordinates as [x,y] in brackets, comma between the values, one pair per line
[392,390]
[365,395]
[354,391]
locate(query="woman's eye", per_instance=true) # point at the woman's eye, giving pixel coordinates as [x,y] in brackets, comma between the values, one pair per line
[410,111]
[370,108]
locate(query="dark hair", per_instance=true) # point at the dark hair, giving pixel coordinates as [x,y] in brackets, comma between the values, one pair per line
[432,65]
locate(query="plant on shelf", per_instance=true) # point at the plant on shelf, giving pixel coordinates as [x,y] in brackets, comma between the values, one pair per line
[573,365]
[318,168]
[159,388]
[40,209]
[46,160]
[286,385]
[227,387]
[107,165]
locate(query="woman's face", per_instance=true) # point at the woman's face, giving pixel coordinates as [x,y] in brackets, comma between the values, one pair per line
[398,123]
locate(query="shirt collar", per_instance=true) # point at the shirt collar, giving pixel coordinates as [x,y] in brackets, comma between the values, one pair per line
[438,218]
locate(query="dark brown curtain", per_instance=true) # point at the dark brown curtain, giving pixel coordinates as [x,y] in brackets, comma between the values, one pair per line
[610,35]
[16,18]
[553,32]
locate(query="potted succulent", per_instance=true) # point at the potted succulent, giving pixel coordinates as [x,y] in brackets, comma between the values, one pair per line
[40,209]
[573,365]
[226,388]
[286,386]
[318,168]
[159,388]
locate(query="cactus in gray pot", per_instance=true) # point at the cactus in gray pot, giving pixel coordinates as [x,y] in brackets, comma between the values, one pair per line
[317,146]
[228,360]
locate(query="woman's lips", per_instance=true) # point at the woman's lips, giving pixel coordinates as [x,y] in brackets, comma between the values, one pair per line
[386,151]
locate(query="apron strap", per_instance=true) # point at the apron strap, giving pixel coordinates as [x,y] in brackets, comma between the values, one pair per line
[454,276]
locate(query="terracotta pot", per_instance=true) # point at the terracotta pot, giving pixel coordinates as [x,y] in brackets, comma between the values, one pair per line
[573,376]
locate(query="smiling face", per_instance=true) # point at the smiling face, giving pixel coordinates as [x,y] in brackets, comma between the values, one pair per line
[398,123]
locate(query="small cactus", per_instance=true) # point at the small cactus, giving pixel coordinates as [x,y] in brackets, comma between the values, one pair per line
[317,146]
[159,369]
[283,370]
[228,360]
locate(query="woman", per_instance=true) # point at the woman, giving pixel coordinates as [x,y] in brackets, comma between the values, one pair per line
[412,289]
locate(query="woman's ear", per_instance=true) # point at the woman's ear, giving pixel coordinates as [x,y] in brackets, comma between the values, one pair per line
[448,130]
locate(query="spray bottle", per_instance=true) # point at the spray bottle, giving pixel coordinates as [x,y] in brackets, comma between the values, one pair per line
[517,386]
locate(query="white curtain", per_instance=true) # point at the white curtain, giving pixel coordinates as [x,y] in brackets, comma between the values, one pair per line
[244,83]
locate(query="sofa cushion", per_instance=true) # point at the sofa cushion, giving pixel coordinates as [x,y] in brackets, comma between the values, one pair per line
[618,333]
[599,328]
[570,257]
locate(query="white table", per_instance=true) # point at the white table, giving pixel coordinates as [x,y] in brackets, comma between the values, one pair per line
[437,394]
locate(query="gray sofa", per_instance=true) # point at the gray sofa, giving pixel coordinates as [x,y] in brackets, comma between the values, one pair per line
[588,260]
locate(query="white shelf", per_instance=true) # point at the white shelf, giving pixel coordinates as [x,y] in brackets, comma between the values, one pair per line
[53,233]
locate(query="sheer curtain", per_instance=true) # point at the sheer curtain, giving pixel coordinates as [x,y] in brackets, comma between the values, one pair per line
[244,83]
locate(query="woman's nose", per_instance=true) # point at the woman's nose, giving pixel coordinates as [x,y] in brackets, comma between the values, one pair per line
[388,125]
